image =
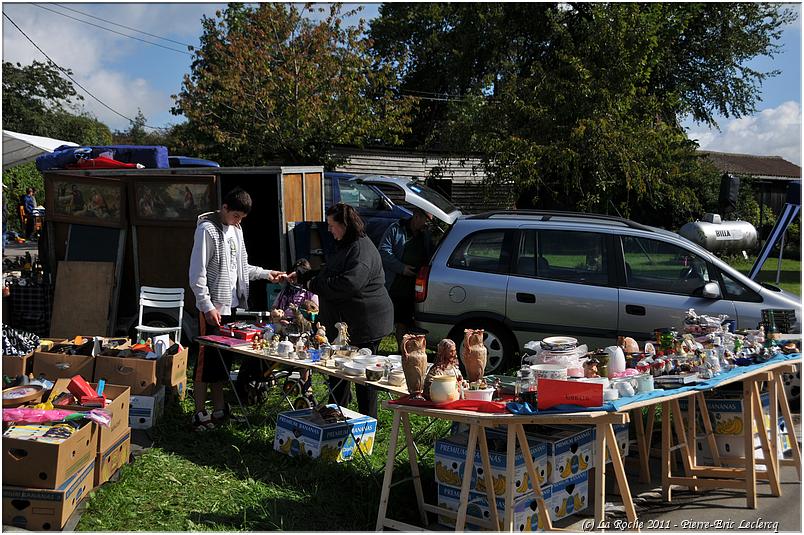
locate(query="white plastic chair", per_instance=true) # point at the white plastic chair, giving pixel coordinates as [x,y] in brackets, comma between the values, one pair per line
[161,298]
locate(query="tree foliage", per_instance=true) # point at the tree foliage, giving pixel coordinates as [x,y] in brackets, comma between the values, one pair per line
[578,105]
[268,83]
[37,100]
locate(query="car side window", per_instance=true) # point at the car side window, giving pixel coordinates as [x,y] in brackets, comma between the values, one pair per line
[361,196]
[663,267]
[482,251]
[566,256]
[737,291]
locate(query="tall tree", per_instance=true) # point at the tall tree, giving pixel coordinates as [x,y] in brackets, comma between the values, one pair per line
[579,104]
[38,100]
[270,84]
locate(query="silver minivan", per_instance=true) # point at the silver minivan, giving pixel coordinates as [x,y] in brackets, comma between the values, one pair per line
[525,275]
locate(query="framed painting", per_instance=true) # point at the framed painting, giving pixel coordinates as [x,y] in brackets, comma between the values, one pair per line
[159,200]
[86,201]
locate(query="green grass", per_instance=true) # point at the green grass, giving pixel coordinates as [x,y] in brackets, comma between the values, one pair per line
[231,479]
[790,275]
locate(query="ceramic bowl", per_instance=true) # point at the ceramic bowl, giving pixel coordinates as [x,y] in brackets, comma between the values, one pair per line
[340,361]
[353,368]
[396,378]
[549,371]
[374,373]
[367,360]
[395,358]
[484,394]
[559,343]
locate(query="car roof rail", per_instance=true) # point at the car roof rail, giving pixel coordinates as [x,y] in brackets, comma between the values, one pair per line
[547,215]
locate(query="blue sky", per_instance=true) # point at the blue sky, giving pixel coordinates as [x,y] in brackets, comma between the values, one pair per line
[127,74]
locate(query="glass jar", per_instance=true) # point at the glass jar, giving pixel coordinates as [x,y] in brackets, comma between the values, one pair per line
[525,385]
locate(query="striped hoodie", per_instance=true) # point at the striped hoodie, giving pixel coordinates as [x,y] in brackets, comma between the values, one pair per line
[209,269]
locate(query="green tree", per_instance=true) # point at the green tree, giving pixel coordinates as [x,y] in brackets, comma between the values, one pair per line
[579,104]
[37,100]
[270,84]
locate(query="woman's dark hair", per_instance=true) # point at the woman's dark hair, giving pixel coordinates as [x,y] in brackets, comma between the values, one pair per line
[238,200]
[348,217]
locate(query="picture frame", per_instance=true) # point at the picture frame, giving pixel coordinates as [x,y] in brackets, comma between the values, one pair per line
[172,199]
[86,201]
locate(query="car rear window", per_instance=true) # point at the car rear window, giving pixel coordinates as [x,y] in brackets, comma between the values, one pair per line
[483,251]
[563,255]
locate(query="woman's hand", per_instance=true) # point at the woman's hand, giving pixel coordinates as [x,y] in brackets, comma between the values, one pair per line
[276,276]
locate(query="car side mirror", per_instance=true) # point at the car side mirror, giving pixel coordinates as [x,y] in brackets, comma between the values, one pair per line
[711,290]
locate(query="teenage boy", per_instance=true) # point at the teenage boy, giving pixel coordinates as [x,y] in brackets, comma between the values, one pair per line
[219,278]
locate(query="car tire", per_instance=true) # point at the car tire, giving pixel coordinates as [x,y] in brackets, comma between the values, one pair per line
[498,340]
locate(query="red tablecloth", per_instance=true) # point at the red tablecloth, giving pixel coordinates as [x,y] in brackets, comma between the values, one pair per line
[461,404]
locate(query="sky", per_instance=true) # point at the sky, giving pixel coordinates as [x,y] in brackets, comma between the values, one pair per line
[127,74]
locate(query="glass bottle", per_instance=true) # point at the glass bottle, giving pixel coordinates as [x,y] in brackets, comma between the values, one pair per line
[525,385]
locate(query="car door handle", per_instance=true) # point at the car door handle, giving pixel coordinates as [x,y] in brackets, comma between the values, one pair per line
[525,298]
[635,310]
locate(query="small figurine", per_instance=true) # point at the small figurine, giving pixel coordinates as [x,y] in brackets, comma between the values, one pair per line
[343,334]
[302,324]
[446,363]
[590,368]
[320,336]
[256,342]
[628,344]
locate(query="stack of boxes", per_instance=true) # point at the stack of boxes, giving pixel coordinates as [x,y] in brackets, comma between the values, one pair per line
[151,380]
[49,468]
[562,457]
[726,415]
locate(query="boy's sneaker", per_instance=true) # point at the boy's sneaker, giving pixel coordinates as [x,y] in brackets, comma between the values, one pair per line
[220,416]
[202,421]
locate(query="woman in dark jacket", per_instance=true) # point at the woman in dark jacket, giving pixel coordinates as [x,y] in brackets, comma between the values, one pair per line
[351,288]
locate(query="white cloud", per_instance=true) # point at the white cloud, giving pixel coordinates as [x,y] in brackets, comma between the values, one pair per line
[771,132]
[101,61]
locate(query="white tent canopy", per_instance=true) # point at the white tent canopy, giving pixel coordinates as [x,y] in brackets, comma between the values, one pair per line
[22,148]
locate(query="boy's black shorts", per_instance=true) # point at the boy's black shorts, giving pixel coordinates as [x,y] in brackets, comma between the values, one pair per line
[208,365]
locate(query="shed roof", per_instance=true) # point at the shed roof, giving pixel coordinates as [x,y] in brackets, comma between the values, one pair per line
[767,167]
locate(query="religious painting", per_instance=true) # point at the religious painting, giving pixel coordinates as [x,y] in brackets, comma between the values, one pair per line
[86,201]
[159,199]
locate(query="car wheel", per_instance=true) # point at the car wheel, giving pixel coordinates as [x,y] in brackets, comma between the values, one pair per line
[498,341]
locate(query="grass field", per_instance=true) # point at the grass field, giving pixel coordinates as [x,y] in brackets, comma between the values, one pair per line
[790,274]
[231,479]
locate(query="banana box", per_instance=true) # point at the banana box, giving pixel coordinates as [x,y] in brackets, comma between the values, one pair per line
[525,509]
[450,461]
[730,446]
[726,412]
[302,434]
[570,449]
[570,496]
[621,434]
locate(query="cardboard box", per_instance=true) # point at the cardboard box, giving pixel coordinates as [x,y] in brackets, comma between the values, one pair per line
[58,365]
[110,460]
[570,496]
[174,373]
[142,375]
[450,459]
[570,449]
[46,510]
[14,365]
[525,509]
[43,465]
[733,446]
[298,435]
[118,402]
[145,410]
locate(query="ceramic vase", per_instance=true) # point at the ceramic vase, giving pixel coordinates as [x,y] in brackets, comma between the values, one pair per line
[414,363]
[473,354]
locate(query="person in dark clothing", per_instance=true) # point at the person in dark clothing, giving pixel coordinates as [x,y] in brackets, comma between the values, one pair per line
[29,204]
[405,246]
[351,289]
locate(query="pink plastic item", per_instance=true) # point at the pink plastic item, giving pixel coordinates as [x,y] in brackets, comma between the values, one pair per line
[34,416]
